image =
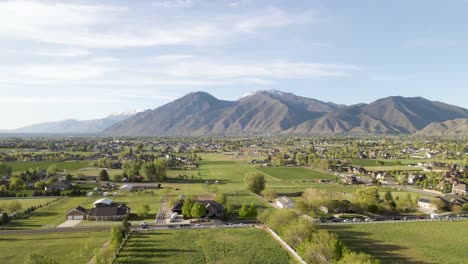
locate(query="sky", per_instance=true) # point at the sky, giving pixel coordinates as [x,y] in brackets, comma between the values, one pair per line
[88,59]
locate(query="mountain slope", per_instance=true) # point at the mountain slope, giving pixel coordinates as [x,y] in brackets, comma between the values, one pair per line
[276,112]
[72,126]
[455,127]
[202,114]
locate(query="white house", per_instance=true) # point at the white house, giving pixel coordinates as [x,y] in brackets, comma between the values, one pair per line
[284,202]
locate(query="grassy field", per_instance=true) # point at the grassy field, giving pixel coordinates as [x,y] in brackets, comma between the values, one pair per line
[25,203]
[423,242]
[73,248]
[288,174]
[237,245]
[49,216]
[19,166]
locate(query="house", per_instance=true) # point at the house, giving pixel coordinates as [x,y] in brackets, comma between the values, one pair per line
[213,208]
[108,213]
[284,202]
[78,213]
[413,178]
[59,185]
[461,188]
[104,210]
[104,202]
[385,177]
[426,204]
[452,199]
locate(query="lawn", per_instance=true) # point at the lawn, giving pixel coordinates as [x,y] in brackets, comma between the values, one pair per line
[19,166]
[50,216]
[291,174]
[73,248]
[422,242]
[233,245]
[25,203]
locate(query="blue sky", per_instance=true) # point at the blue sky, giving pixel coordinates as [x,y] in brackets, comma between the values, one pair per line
[87,59]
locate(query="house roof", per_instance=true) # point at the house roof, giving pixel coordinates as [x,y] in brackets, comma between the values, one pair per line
[127,186]
[103,201]
[423,200]
[109,211]
[80,209]
[284,200]
[212,204]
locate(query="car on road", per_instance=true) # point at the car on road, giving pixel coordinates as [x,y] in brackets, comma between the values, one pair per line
[144,225]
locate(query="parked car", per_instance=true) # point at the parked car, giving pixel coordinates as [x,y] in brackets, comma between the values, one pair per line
[144,225]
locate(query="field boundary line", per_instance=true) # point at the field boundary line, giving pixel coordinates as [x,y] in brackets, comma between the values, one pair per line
[276,179]
[285,245]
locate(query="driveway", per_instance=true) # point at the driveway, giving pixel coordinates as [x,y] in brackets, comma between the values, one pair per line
[69,223]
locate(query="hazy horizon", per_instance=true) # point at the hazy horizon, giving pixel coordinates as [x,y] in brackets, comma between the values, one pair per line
[86,59]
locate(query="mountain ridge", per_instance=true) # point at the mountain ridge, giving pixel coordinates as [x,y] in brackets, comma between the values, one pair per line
[277,112]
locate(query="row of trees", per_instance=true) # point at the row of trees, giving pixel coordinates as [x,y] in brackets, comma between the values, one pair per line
[314,246]
[150,170]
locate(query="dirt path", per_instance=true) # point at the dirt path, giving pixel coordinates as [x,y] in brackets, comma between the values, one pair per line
[105,245]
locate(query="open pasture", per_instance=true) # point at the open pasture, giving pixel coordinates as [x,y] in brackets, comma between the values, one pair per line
[229,245]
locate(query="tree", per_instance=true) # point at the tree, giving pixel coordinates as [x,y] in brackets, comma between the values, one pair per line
[52,170]
[281,217]
[103,175]
[297,232]
[148,170]
[255,182]
[39,259]
[221,198]
[4,218]
[17,183]
[465,208]
[456,209]
[248,211]
[270,194]
[187,208]
[161,166]
[198,210]
[5,170]
[323,247]
[39,185]
[369,198]
[116,237]
[143,210]
[358,257]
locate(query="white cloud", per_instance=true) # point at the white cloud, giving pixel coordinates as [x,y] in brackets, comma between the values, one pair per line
[270,18]
[174,3]
[52,100]
[70,72]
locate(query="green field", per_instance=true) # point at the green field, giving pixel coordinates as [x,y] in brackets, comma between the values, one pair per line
[73,248]
[25,203]
[291,174]
[423,242]
[19,166]
[50,216]
[233,245]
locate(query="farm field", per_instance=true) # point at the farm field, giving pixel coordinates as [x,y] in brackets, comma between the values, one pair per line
[73,248]
[19,166]
[233,245]
[289,174]
[422,242]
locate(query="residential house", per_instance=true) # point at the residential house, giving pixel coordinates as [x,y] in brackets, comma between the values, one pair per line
[285,202]
[426,204]
[414,177]
[385,177]
[126,187]
[461,188]
[59,185]
[104,210]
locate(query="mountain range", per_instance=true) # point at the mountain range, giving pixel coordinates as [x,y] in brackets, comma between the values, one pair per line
[73,126]
[276,112]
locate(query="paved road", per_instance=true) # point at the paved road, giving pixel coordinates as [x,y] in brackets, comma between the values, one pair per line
[412,189]
[161,216]
[386,221]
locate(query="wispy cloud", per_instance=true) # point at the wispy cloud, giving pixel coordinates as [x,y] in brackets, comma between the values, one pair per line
[174,3]
[53,100]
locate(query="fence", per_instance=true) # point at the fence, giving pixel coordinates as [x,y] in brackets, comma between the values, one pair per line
[450,219]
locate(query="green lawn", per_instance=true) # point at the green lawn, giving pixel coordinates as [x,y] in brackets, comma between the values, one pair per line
[73,248]
[423,242]
[234,245]
[50,216]
[25,203]
[19,166]
[291,174]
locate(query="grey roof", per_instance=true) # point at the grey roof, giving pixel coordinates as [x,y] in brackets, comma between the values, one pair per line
[103,201]
[423,200]
[284,200]
[108,211]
